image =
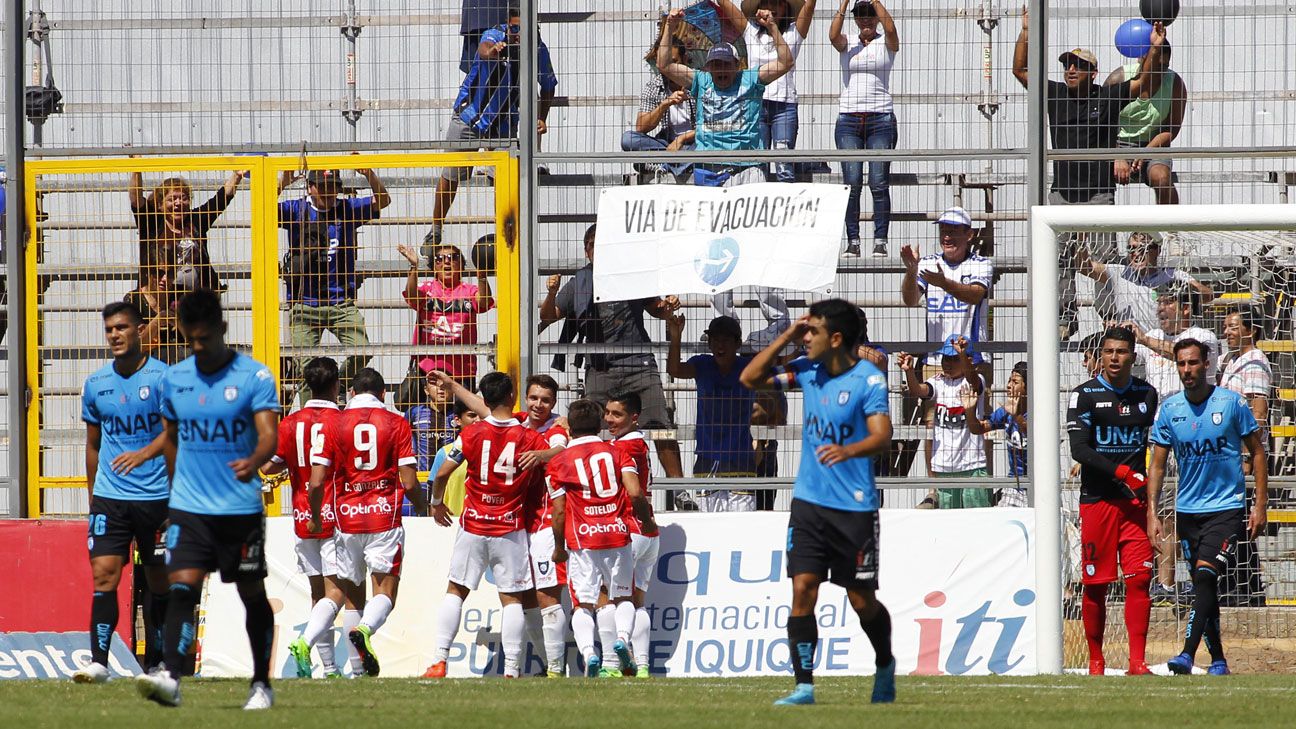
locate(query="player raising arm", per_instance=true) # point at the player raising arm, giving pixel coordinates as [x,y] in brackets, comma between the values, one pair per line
[1206,426]
[221,410]
[1107,422]
[586,484]
[492,530]
[833,526]
[127,478]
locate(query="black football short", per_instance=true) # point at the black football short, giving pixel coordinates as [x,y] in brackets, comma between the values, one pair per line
[233,544]
[840,546]
[1211,537]
[115,523]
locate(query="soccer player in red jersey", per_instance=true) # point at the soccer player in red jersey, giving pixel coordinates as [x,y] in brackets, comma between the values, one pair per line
[301,436]
[622,419]
[586,481]
[371,450]
[492,529]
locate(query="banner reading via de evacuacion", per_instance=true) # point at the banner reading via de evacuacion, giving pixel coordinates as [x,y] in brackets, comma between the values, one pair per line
[682,239]
[960,586]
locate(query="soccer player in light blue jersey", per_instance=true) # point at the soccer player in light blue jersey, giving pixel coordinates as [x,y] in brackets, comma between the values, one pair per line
[128,484]
[1206,427]
[833,526]
[222,416]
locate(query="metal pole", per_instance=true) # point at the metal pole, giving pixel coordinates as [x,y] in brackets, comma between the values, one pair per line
[15,225]
[526,214]
[351,61]
[1036,105]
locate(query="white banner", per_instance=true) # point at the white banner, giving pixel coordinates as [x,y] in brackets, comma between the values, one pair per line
[959,586]
[655,240]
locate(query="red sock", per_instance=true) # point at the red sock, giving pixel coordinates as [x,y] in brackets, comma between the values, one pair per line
[1093,609]
[1138,612]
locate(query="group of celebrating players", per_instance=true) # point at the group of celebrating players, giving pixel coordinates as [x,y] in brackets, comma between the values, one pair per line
[175,458]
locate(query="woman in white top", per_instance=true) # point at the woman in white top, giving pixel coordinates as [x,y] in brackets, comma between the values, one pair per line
[779,122]
[866,117]
[1244,368]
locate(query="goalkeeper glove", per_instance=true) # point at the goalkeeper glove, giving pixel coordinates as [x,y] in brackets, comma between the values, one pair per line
[1133,480]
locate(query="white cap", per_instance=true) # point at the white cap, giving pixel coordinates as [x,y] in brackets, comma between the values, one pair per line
[955,216]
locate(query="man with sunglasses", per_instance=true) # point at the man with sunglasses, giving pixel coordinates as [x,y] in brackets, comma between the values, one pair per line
[1127,292]
[1085,115]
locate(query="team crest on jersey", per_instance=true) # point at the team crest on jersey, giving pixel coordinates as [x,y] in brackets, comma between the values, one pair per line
[231,393]
[144,392]
[843,396]
[1143,408]
[543,566]
[1217,418]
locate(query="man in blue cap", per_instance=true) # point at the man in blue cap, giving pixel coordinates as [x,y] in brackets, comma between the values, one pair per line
[953,450]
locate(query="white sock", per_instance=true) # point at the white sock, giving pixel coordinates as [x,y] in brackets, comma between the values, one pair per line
[512,628]
[321,620]
[535,633]
[607,630]
[447,626]
[324,646]
[625,620]
[350,619]
[376,612]
[555,637]
[642,636]
[583,630]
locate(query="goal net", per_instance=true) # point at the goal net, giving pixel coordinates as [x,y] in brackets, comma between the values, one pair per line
[1221,274]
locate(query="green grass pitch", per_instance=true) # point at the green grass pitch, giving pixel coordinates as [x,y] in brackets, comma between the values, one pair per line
[937,702]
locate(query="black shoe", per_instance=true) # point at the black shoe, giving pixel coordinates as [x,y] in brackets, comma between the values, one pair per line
[852,249]
[880,249]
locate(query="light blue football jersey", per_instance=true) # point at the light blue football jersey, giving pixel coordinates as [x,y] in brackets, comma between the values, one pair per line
[1207,442]
[214,414]
[128,411]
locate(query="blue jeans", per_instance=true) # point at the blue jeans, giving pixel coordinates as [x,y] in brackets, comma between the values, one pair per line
[778,130]
[867,131]
[633,141]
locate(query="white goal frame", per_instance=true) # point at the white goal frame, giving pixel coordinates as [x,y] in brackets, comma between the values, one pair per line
[1045,358]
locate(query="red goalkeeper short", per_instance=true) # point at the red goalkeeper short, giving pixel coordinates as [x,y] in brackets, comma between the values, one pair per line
[1110,530]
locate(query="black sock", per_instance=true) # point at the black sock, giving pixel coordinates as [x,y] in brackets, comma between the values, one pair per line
[103,621]
[154,618]
[260,630]
[803,638]
[1212,639]
[878,631]
[1205,610]
[179,629]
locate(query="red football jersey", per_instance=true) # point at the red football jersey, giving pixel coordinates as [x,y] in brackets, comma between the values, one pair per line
[588,473]
[495,488]
[365,447]
[538,514]
[301,437]
[634,446]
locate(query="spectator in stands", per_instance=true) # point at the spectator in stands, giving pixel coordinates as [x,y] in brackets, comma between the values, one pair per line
[1175,305]
[1090,353]
[779,120]
[156,299]
[1128,292]
[666,114]
[613,322]
[1011,418]
[1151,120]
[321,263]
[447,309]
[1084,115]
[954,451]
[431,421]
[865,112]
[461,417]
[1245,369]
[724,410]
[475,18]
[167,222]
[769,410]
[729,99]
[487,107]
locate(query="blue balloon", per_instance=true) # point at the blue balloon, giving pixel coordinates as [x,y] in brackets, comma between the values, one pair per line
[1134,38]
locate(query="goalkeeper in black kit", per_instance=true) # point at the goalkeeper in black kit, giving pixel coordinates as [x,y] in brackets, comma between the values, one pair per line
[1107,420]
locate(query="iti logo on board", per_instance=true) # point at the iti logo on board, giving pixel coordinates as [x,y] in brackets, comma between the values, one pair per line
[718,260]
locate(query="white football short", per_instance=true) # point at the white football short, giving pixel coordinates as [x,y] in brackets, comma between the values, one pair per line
[590,569]
[644,550]
[316,557]
[380,552]
[543,569]
[507,556]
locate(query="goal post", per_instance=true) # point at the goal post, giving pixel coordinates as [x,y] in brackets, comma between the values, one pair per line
[1046,389]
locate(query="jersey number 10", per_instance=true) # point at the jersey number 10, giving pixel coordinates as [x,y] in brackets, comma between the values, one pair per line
[601,472]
